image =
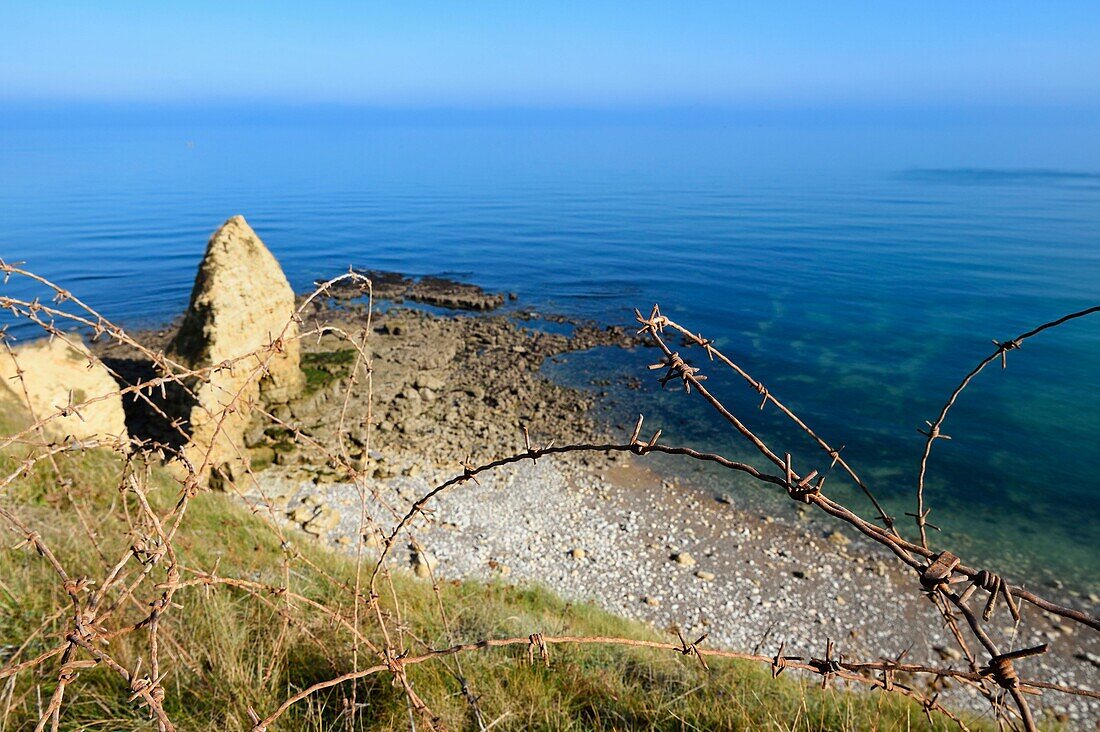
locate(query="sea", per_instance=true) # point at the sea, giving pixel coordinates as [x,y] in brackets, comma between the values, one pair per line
[859,266]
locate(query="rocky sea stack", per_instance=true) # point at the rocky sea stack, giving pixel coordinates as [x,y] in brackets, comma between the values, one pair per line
[240,320]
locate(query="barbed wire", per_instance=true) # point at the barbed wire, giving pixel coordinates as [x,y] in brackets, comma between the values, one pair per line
[133,594]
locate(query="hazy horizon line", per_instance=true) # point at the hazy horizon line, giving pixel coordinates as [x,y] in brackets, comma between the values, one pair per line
[15,111]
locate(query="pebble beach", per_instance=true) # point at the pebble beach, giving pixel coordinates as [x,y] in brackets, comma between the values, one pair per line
[631,538]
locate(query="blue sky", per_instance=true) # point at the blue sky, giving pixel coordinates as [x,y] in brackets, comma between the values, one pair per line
[593,54]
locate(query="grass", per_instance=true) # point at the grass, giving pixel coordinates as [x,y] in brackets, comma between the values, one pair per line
[224,651]
[322,368]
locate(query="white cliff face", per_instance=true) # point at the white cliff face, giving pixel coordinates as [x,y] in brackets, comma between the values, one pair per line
[240,305]
[60,374]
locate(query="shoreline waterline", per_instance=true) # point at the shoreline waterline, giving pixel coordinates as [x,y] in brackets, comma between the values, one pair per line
[859,278]
[610,531]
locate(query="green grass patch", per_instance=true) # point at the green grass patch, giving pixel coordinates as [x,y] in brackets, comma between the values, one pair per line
[225,650]
[322,368]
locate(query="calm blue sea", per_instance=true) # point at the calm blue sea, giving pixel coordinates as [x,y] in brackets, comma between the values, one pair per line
[858,269]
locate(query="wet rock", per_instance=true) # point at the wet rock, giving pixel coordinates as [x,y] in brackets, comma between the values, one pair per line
[436,291]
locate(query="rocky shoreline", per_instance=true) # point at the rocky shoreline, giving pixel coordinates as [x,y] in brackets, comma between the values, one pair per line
[615,531]
[448,389]
[403,398]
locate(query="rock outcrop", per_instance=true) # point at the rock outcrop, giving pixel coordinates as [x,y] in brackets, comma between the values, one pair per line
[437,291]
[60,374]
[240,306]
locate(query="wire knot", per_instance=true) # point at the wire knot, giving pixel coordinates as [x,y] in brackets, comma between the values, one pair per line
[692,649]
[803,491]
[779,661]
[32,539]
[675,367]
[148,688]
[1002,671]
[763,392]
[987,580]
[828,667]
[531,451]
[938,573]
[933,432]
[655,323]
[469,472]
[75,586]
[1004,348]
[995,586]
[537,641]
[396,665]
[72,669]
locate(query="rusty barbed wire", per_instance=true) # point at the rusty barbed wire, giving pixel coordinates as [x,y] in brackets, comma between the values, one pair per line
[934,431]
[134,594]
[943,569]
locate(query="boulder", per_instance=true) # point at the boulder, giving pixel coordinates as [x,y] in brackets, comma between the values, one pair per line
[240,305]
[59,373]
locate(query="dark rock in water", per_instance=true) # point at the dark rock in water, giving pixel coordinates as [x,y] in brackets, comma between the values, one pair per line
[436,291]
[454,295]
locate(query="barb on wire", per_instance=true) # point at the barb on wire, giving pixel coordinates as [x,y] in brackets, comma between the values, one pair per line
[122,608]
[937,572]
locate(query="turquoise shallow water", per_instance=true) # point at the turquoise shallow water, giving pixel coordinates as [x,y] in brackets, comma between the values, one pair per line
[858,272]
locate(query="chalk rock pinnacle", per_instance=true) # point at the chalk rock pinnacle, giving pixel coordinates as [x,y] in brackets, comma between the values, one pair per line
[241,312]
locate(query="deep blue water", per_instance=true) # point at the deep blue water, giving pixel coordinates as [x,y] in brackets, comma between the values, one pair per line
[859,272]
